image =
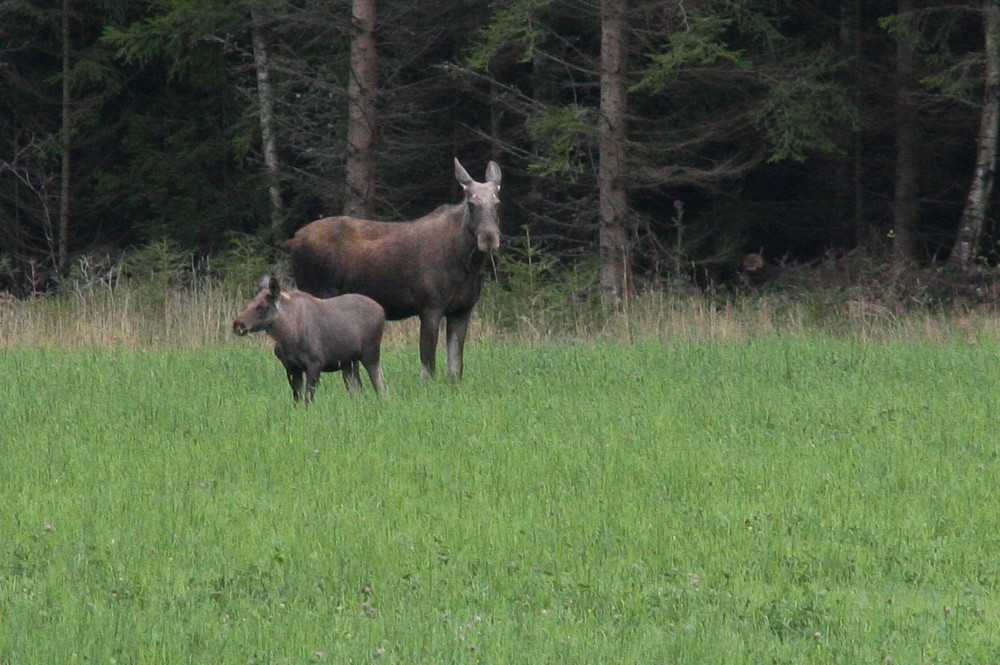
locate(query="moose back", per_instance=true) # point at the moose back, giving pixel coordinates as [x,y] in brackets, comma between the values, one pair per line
[432,267]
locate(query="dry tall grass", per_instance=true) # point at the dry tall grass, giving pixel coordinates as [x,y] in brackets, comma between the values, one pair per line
[700,317]
[137,318]
[119,318]
[140,318]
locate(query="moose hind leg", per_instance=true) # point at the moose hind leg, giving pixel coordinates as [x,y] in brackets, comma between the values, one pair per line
[458,327]
[374,369]
[430,326]
[371,358]
[351,375]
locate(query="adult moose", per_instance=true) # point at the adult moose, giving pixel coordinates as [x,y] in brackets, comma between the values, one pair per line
[432,267]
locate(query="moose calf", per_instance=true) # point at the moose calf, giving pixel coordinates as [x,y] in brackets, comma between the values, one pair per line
[313,335]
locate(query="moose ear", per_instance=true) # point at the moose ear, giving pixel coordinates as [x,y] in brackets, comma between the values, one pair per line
[274,287]
[493,173]
[462,175]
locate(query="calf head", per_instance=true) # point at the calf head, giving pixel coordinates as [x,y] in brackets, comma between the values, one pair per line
[482,199]
[262,310]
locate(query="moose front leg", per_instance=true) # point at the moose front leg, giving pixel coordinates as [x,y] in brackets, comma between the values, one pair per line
[430,326]
[458,327]
[295,381]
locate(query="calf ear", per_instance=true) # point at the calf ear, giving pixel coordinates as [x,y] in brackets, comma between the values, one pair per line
[274,287]
[462,175]
[493,173]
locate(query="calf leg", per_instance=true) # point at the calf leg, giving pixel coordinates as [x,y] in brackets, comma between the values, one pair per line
[458,327]
[345,374]
[295,381]
[352,377]
[376,376]
[312,380]
[430,325]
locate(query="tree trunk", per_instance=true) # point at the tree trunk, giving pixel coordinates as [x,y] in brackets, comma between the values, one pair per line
[496,115]
[853,172]
[613,207]
[905,203]
[360,176]
[265,102]
[62,240]
[970,227]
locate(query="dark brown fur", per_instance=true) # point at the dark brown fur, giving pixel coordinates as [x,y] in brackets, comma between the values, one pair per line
[432,267]
[313,335]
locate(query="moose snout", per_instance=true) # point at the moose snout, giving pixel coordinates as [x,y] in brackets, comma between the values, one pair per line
[488,241]
[239,328]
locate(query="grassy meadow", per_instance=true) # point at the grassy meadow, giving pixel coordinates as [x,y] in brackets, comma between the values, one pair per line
[687,485]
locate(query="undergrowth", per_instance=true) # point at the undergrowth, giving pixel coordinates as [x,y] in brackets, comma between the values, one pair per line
[163,297]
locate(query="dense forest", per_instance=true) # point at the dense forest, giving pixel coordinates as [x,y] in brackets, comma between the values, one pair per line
[642,142]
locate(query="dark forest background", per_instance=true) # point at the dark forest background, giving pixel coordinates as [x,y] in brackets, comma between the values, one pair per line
[756,136]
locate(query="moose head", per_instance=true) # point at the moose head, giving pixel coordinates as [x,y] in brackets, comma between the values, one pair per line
[482,200]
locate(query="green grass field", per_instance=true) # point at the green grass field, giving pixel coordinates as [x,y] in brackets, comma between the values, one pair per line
[783,499]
